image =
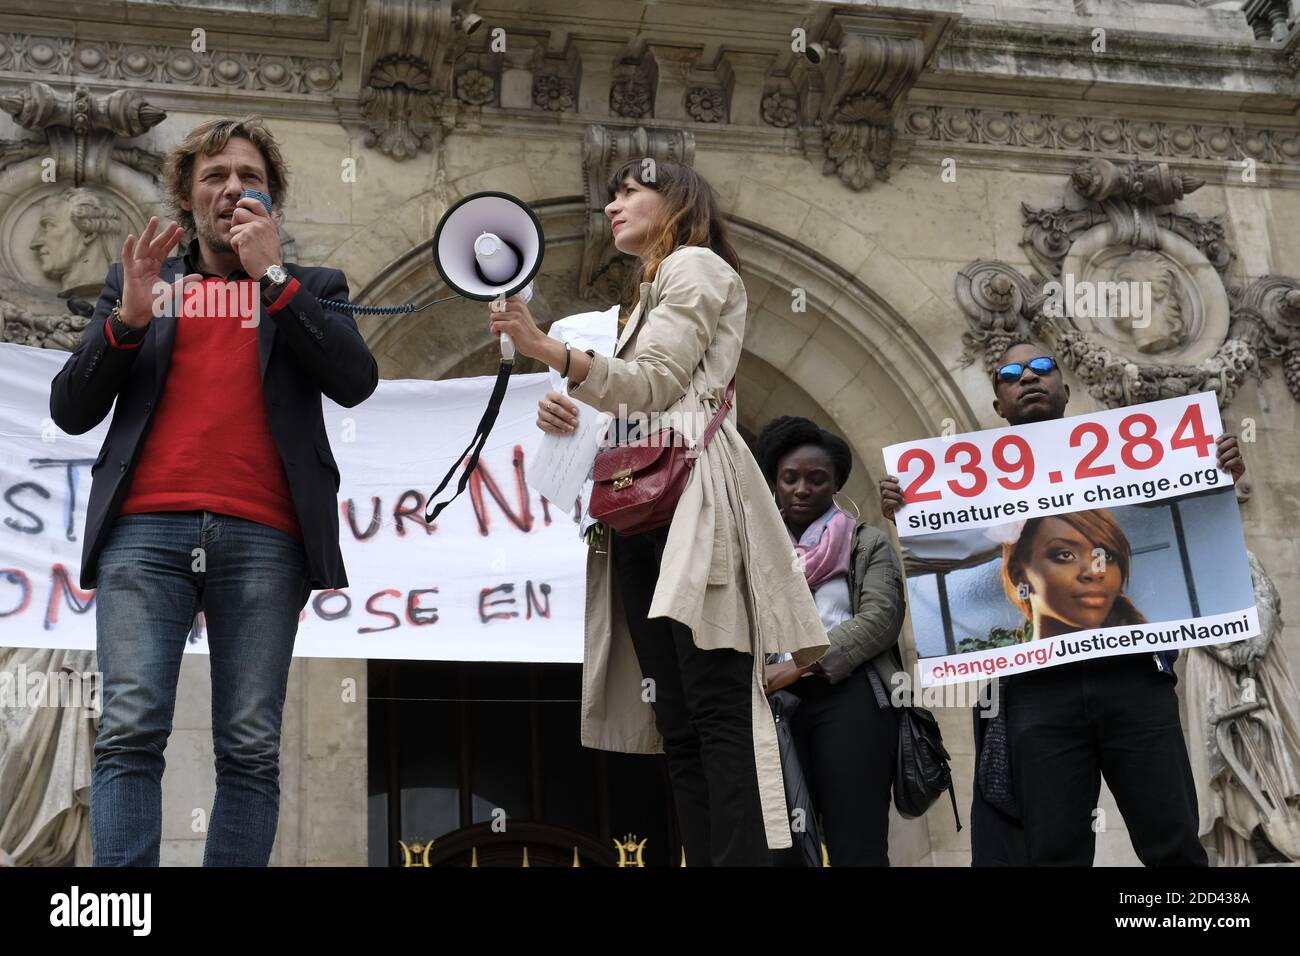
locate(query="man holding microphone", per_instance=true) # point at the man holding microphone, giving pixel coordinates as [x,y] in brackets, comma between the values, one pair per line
[215,489]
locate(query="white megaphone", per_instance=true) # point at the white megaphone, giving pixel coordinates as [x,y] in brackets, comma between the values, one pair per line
[489,245]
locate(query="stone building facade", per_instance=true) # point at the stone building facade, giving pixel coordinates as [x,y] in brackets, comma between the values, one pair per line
[915,185]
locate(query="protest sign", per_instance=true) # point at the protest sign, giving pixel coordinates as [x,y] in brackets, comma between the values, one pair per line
[1055,541]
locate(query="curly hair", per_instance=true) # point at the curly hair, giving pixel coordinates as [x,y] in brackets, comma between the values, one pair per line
[92,214]
[210,138]
[783,435]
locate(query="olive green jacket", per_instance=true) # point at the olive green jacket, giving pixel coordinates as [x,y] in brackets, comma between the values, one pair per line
[878,604]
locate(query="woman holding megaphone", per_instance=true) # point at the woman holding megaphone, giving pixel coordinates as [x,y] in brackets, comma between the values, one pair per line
[691,577]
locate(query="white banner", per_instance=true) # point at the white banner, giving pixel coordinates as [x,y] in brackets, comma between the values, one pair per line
[501,577]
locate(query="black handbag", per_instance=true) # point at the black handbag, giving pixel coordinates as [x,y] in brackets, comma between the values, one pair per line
[923,773]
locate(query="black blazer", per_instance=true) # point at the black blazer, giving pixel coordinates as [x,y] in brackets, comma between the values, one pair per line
[305,351]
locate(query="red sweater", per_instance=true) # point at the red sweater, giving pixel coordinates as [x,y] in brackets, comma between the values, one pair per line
[209,447]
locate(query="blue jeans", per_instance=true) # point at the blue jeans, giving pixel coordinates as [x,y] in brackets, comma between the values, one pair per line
[251,584]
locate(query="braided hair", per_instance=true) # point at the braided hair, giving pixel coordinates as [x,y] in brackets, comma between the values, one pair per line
[783,435]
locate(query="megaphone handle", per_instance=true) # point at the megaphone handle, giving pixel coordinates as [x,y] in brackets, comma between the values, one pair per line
[507,348]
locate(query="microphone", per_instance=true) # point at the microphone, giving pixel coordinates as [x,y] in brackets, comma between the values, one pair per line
[498,263]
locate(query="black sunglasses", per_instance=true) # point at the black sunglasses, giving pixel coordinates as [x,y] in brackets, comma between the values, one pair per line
[1012,371]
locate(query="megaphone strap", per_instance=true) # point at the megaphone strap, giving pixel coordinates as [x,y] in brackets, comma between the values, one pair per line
[474,448]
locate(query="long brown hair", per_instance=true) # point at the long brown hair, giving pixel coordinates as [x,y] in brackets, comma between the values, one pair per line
[1103,531]
[689,216]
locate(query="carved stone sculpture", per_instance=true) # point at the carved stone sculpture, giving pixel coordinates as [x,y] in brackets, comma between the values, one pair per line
[869,76]
[65,220]
[851,95]
[1266,316]
[475,88]
[630,97]
[81,130]
[1164,327]
[1243,730]
[38,320]
[111,61]
[406,100]
[1100,179]
[401,108]
[79,233]
[706,105]
[46,755]
[1196,336]
[554,93]
[780,109]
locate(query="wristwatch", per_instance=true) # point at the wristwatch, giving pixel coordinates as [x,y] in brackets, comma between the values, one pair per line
[123,334]
[273,282]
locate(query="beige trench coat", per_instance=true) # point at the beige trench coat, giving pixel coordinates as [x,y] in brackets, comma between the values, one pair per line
[729,571]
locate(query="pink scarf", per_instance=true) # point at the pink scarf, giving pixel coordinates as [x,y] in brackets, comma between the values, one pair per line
[824,546]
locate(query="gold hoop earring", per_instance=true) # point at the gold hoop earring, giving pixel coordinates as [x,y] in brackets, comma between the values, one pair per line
[857,514]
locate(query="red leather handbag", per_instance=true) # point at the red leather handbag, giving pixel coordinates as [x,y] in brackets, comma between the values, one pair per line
[636,486]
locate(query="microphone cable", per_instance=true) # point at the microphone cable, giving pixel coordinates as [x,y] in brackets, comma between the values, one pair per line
[381,309]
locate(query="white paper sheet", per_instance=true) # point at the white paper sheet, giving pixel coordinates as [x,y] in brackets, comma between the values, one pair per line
[561,467]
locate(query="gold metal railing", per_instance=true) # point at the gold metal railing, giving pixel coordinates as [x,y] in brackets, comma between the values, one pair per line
[631,853]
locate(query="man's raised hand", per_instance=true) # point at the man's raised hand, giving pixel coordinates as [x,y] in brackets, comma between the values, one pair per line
[142,260]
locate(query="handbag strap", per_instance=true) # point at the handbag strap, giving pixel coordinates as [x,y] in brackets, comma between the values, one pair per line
[719,415]
[952,794]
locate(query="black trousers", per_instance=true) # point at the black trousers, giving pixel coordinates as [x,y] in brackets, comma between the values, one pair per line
[995,838]
[703,708]
[848,748]
[1116,717]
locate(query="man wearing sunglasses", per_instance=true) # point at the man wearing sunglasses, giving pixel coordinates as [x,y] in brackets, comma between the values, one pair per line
[1139,747]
